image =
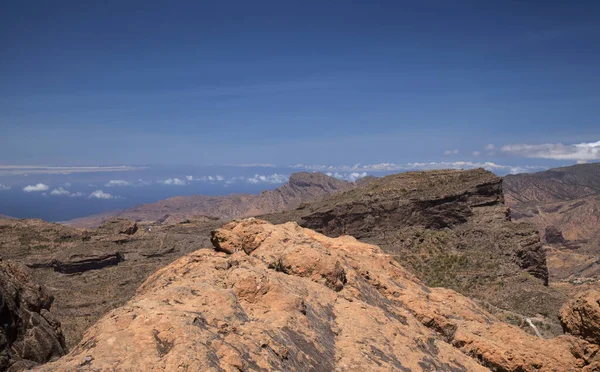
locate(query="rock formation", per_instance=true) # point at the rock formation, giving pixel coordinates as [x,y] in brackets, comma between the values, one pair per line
[452,229]
[301,188]
[288,298]
[29,333]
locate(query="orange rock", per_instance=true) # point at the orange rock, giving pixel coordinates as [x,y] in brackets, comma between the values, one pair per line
[581,316]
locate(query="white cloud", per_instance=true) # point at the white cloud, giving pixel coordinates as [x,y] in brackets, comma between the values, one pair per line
[451,152]
[99,194]
[490,147]
[271,178]
[4,187]
[556,151]
[60,191]
[36,188]
[352,177]
[117,183]
[476,153]
[189,178]
[216,178]
[173,181]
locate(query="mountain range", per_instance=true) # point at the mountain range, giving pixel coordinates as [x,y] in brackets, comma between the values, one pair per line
[301,187]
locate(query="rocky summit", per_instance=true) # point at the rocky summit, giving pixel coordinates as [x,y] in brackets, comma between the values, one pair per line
[282,297]
[452,229]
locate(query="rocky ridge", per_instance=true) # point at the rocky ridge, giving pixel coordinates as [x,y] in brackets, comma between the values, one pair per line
[452,229]
[287,298]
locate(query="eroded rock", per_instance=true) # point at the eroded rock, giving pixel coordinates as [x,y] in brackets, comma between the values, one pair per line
[29,333]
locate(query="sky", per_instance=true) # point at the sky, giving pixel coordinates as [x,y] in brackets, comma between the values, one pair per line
[317,82]
[271,87]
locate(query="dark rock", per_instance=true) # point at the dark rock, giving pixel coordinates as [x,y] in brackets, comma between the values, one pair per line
[29,334]
[78,263]
[553,235]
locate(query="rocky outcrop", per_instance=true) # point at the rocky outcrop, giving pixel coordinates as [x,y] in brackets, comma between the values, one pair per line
[90,261]
[119,226]
[451,228]
[553,235]
[301,187]
[29,333]
[288,298]
[581,316]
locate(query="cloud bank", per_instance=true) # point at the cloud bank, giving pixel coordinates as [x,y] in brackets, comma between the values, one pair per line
[271,178]
[394,167]
[556,151]
[4,187]
[352,177]
[36,188]
[11,170]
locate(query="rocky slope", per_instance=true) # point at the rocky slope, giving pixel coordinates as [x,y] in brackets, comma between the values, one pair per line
[564,203]
[29,333]
[90,272]
[452,229]
[287,298]
[301,187]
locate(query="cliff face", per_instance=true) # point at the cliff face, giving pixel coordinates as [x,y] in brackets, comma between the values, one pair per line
[301,187]
[29,333]
[287,298]
[451,228]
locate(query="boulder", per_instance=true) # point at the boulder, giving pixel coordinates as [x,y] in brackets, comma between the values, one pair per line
[581,316]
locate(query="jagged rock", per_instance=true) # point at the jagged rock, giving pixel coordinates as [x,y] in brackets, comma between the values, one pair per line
[29,334]
[119,226]
[553,235]
[581,316]
[296,300]
[78,263]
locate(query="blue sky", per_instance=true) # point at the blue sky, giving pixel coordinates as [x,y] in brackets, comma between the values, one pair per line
[311,82]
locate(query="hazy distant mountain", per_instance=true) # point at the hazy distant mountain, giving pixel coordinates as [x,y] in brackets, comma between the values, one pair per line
[5,216]
[301,187]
